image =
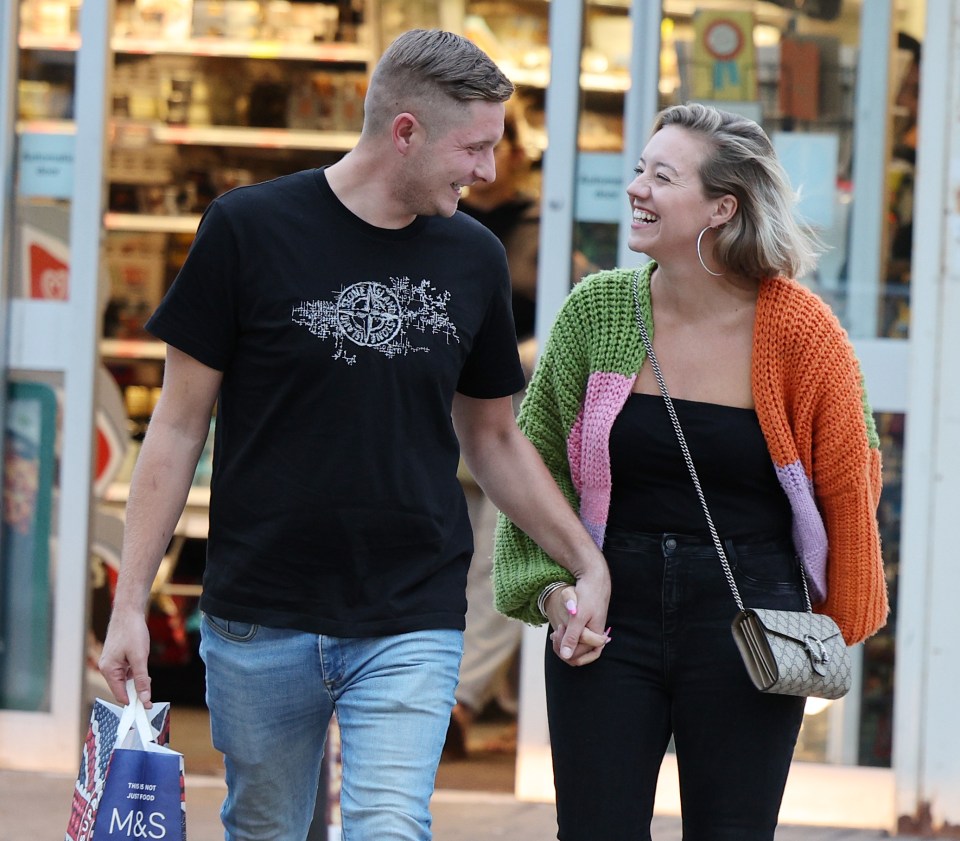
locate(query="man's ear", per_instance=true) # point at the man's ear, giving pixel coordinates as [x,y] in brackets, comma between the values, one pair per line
[405,130]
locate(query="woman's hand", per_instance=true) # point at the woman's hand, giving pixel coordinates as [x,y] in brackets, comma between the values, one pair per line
[561,605]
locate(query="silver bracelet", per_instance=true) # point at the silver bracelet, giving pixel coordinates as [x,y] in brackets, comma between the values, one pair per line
[545,593]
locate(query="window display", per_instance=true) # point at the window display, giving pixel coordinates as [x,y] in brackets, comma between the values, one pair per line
[206,96]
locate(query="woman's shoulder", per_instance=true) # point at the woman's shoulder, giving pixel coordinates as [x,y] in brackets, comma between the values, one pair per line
[601,298]
[786,305]
[604,284]
[790,294]
[798,333]
[598,319]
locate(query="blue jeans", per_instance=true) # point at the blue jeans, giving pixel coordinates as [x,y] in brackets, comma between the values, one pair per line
[673,669]
[271,693]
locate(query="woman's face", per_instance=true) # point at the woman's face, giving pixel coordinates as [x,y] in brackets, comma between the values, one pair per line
[669,205]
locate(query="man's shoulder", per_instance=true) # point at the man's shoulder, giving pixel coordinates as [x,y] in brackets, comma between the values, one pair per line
[255,196]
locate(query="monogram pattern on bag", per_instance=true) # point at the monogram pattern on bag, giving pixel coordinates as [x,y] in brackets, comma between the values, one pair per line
[810,653]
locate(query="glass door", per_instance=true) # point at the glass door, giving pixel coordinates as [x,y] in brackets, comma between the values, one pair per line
[53,139]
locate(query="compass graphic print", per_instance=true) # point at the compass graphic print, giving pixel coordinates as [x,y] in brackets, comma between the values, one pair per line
[386,317]
[369,314]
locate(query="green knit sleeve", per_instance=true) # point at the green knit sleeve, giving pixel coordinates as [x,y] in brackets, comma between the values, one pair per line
[521,569]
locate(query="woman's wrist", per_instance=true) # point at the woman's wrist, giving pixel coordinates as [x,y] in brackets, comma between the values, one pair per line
[545,594]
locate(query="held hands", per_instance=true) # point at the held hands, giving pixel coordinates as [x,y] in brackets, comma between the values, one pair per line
[578,615]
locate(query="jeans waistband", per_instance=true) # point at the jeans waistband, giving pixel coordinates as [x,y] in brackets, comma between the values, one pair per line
[674,542]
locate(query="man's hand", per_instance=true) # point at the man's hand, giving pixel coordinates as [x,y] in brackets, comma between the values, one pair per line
[578,615]
[124,656]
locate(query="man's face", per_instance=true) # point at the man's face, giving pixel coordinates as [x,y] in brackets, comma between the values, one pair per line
[440,166]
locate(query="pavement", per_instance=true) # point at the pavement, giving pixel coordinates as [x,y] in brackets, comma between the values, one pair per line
[34,807]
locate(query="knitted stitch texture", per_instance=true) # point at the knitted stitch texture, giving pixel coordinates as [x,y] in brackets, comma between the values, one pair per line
[811,406]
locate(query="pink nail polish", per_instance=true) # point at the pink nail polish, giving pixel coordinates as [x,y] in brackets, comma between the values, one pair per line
[571,607]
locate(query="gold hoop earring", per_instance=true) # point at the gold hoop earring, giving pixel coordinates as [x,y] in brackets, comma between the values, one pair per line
[700,256]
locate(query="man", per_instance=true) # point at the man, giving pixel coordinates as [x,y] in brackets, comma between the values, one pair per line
[351,327]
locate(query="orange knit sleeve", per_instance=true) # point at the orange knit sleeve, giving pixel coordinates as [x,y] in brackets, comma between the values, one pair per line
[846,474]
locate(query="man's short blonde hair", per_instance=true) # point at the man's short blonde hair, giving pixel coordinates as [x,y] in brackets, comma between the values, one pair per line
[425,72]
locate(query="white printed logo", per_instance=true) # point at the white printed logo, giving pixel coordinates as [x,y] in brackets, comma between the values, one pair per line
[137,825]
[369,314]
[374,315]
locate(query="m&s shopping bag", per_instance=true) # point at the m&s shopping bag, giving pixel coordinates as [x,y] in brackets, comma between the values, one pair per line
[130,784]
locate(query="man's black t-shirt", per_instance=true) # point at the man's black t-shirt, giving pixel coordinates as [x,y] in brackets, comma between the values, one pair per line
[335,505]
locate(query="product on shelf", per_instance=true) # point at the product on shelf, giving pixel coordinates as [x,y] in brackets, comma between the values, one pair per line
[51,18]
[136,267]
[41,100]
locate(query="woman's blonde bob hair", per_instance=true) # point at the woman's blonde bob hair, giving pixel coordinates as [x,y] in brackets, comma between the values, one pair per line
[763,239]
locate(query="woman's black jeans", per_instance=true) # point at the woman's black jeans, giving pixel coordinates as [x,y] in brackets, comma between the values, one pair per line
[673,669]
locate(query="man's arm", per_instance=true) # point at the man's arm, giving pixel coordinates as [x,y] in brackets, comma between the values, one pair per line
[158,491]
[512,474]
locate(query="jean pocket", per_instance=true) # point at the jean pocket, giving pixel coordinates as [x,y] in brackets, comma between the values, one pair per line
[767,566]
[231,629]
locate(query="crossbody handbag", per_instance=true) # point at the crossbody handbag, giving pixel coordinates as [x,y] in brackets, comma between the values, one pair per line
[786,652]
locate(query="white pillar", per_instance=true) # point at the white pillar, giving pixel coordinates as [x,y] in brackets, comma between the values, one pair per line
[926,726]
[63,336]
[534,775]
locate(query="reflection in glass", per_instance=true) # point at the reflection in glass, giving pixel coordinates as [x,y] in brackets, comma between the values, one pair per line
[29,476]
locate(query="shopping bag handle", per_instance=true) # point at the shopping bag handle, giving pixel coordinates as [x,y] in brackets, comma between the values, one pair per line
[134,715]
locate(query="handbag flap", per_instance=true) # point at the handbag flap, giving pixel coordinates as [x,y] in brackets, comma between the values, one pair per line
[797,625]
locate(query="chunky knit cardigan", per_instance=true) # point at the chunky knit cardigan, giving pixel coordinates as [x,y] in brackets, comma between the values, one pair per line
[813,412]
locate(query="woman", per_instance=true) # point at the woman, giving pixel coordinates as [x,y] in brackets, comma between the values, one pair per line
[770,397]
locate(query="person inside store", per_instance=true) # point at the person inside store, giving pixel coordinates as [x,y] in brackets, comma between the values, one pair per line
[511,210]
[354,331]
[491,641]
[903,165]
[770,397]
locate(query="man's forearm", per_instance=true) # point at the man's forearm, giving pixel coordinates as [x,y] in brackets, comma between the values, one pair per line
[158,492]
[515,479]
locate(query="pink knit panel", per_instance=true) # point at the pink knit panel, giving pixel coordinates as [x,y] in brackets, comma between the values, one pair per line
[588,447]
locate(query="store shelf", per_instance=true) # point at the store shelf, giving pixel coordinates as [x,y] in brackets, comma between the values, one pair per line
[540,78]
[141,222]
[605,82]
[231,136]
[217,47]
[264,138]
[223,47]
[53,43]
[146,349]
[46,127]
